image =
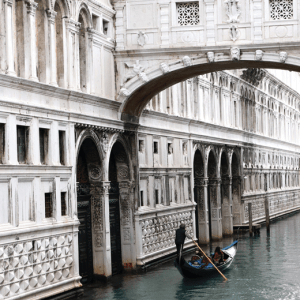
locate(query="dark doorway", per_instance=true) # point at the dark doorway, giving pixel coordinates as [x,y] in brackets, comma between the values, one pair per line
[114,219]
[84,216]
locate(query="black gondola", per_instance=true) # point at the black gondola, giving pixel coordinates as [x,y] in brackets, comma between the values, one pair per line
[193,268]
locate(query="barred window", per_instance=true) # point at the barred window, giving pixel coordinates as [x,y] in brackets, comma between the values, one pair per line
[281,9]
[188,13]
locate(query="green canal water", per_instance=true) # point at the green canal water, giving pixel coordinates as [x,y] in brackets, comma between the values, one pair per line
[265,267]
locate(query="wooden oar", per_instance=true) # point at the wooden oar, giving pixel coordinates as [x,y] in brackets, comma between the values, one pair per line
[209,260]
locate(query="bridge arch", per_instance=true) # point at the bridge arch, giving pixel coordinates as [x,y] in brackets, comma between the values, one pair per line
[139,90]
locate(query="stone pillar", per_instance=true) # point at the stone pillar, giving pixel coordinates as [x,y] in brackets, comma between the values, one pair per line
[54,144]
[101,228]
[73,54]
[11,156]
[257,20]
[31,42]
[52,45]
[8,6]
[227,222]
[34,149]
[120,43]
[90,70]
[202,210]
[215,208]
[127,231]
[236,200]
[38,198]
[56,199]
[210,22]
[164,23]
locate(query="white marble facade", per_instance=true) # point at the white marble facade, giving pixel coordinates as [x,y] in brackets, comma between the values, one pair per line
[203,148]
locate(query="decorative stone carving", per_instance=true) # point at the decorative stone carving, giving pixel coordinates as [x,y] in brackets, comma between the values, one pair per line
[159,232]
[259,54]
[123,172]
[34,269]
[142,38]
[253,75]
[232,11]
[105,140]
[95,171]
[135,69]
[165,68]
[234,32]
[235,53]
[188,13]
[281,9]
[124,92]
[211,56]
[186,60]
[283,56]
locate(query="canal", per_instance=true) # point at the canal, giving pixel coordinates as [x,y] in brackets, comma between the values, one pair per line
[265,267]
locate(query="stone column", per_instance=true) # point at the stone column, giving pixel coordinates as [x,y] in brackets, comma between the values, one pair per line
[73,54]
[164,23]
[11,156]
[227,223]
[34,149]
[56,199]
[90,70]
[210,22]
[52,44]
[257,20]
[120,41]
[127,232]
[202,210]
[236,200]
[215,205]
[8,6]
[101,228]
[31,42]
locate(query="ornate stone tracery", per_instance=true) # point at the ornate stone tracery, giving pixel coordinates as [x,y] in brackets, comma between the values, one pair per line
[281,9]
[188,13]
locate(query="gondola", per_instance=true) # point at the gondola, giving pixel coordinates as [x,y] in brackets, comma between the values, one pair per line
[192,268]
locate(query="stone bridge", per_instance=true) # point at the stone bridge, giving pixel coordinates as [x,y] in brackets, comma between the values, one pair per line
[161,43]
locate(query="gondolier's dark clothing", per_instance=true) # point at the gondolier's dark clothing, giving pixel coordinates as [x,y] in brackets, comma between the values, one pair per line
[181,234]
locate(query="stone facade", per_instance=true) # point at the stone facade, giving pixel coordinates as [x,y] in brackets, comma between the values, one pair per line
[82,191]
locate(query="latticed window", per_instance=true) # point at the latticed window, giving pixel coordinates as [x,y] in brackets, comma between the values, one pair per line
[281,9]
[188,13]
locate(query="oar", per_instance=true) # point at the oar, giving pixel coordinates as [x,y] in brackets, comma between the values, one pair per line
[209,259]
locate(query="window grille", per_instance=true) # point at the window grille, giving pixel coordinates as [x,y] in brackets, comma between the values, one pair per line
[188,13]
[281,9]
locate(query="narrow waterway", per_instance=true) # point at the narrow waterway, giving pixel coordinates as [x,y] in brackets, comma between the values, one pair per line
[265,267]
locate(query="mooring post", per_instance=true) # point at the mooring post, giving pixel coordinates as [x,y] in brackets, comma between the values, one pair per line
[267,214]
[250,218]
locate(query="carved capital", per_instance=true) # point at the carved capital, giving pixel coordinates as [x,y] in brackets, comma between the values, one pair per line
[51,14]
[31,7]
[8,2]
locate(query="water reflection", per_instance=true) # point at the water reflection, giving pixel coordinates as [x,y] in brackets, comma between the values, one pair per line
[265,267]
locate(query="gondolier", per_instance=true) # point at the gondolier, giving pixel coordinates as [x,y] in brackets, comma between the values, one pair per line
[181,234]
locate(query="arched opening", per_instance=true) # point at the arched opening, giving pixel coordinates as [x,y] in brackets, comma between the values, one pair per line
[83,52]
[59,30]
[121,231]
[199,195]
[226,199]
[42,43]
[236,191]
[214,205]
[89,209]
